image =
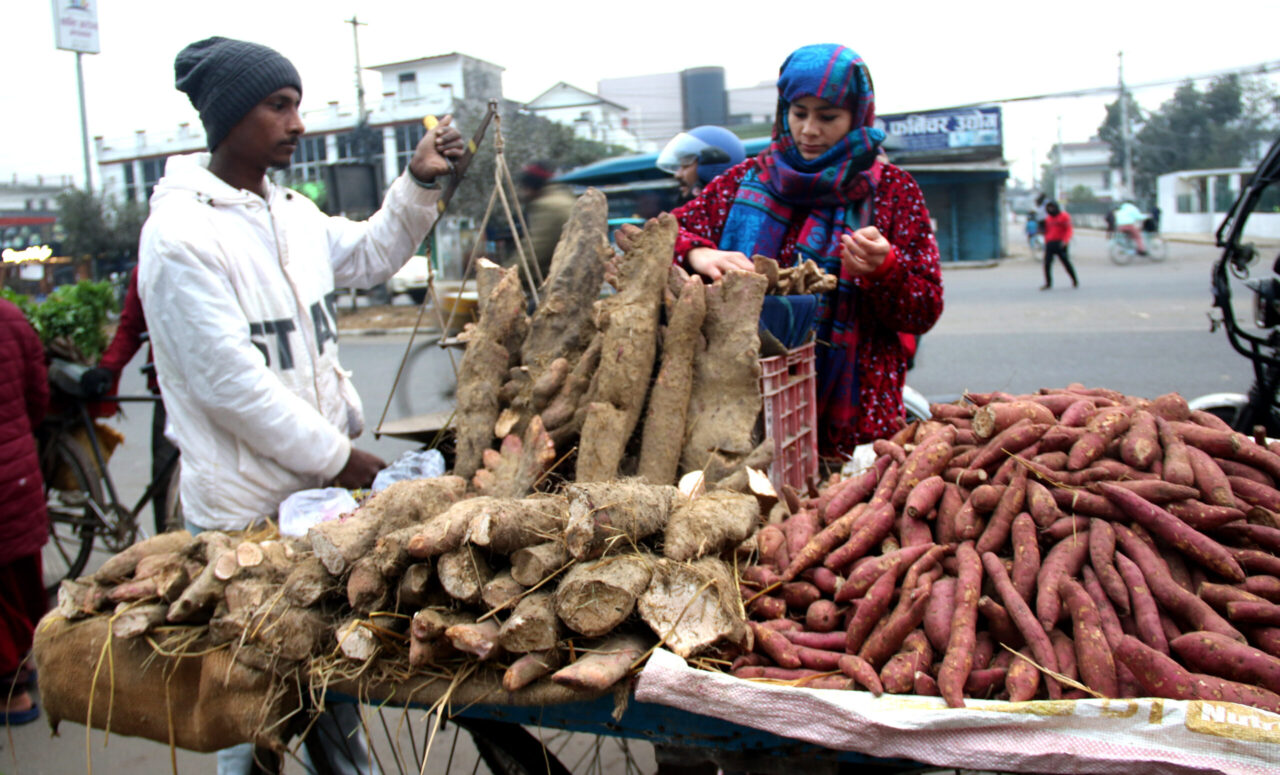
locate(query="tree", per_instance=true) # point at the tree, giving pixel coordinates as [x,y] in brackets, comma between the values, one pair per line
[1220,126]
[526,138]
[1109,130]
[94,227]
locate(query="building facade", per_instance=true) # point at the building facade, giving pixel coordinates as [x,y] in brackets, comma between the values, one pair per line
[661,105]
[591,116]
[129,168]
[1195,202]
[1085,165]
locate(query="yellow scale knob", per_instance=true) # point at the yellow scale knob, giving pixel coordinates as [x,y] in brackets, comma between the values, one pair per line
[430,122]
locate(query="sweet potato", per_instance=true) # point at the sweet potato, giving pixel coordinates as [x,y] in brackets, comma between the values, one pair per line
[1213,484]
[1009,506]
[1172,597]
[1255,561]
[1265,537]
[1026,554]
[1104,426]
[856,490]
[873,527]
[985,682]
[825,641]
[938,614]
[1175,532]
[775,645]
[1041,505]
[1023,618]
[1065,650]
[927,459]
[1102,550]
[1010,441]
[1078,413]
[999,623]
[1062,561]
[1157,673]
[1266,587]
[771,544]
[817,548]
[1140,446]
[1254,612]
[958,660]
[800,529]
[898,676]
[1204,516]
[530,668]
[864,574]
[1022,680]
[604,665]
[1244,471]
[1210,652]
[885,639]
[1087,504]
[949,505]
[1211,687]
[861,671]
[924,496]
[821,616]
[993,418]
[1065,528]
[1093,654]
[1146,615]
[1176,464]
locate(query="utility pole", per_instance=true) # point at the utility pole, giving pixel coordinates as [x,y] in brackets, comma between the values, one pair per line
[356,24]
[1057,165]
[1125,144]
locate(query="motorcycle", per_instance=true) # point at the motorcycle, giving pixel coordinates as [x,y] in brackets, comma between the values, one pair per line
[1258,409]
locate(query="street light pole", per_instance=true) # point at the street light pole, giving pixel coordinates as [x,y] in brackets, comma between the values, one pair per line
[84,124]
[356,24]
[1125,144]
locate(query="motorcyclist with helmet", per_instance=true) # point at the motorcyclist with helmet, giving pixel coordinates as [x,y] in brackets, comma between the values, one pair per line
[697,156]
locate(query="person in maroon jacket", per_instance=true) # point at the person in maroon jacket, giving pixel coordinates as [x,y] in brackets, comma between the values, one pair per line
[131,333]
[24,527]
[1057,236]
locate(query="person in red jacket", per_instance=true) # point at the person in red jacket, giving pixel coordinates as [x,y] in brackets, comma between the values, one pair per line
[24,526]
[1057,236]
[131,333]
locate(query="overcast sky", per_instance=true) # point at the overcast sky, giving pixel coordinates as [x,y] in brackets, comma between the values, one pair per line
[922,55]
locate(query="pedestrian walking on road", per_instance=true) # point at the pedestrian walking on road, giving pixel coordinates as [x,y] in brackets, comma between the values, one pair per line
[1057,237]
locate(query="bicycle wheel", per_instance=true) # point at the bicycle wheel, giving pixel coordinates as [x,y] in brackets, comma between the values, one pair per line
[509,749]
[73,499]
[1157,248]
[1121,251]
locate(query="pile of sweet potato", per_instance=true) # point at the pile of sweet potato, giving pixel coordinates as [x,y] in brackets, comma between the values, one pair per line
[1070,543]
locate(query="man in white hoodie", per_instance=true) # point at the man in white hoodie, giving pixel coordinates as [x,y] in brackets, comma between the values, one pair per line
[237,277]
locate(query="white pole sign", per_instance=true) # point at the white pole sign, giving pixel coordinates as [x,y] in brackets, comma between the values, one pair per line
[75,25]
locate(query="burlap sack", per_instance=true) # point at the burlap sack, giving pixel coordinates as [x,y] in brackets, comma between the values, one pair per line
[202,703]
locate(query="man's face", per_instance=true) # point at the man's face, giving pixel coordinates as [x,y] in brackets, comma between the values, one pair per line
[687,175]
[268,134]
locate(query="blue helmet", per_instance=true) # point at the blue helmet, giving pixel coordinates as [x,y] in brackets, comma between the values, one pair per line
[715,148]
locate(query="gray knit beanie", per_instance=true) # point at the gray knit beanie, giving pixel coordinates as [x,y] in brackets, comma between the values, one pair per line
[226,78]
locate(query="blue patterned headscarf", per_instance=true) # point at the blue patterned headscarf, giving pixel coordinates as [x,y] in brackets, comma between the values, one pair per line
[838,184]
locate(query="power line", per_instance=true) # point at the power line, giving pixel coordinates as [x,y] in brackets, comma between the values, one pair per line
[1259,69]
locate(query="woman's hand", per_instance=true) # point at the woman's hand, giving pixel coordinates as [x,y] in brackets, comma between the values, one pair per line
[712,263]
[863,252]
[436,151]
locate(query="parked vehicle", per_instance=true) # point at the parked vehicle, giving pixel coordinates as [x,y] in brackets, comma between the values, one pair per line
[1257,408]
[411,279]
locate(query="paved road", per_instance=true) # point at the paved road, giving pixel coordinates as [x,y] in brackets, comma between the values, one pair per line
[1141,329]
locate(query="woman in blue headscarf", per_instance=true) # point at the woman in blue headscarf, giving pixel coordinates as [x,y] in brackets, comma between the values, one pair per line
[819,192]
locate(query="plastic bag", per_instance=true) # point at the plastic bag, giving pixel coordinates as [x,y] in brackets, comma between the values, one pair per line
[414,464]
[307,508]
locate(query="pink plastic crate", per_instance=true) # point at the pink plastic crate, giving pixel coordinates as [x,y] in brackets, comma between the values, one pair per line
[789,387]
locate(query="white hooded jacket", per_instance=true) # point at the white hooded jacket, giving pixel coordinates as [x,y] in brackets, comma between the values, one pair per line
[238,293]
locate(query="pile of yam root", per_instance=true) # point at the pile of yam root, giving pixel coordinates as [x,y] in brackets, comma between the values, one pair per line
[1066,544]
[576,585]
[559,545]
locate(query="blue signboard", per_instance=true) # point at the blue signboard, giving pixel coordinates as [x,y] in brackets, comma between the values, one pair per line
[940,130]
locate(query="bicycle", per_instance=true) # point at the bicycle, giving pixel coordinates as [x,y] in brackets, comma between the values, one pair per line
[81,498]
[1122,248]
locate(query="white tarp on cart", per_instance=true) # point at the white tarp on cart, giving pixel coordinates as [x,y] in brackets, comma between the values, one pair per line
[1127,737]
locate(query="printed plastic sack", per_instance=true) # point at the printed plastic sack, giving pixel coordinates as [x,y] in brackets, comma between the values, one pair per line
[1066,737]
[307,508]
[414,464]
